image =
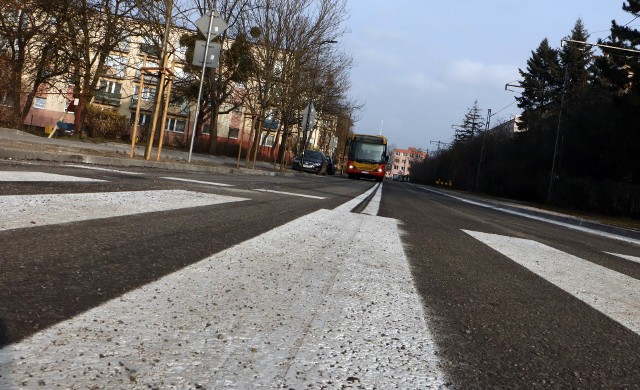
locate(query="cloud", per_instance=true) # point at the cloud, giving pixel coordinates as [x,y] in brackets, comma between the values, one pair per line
[476,73]
[418,82]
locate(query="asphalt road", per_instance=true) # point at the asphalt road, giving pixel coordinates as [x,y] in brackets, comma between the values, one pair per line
[143,278]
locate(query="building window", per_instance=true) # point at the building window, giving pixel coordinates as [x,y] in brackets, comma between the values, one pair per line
[395,167]
[233,133]
[147,92]
[143,119]
[206,128]
[6,100]
[39,102]
[267,140]
[176,125]
[110,87]
[124,44]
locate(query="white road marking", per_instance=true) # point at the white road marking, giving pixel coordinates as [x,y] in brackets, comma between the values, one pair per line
[348,206]
[538,218]
[41,176]
[374,204]
[327,310]
[104,169]
[20,211]
[198,181]
[628,257]
[290,193]
[611,293]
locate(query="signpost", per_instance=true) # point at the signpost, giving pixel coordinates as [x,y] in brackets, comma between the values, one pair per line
[213,54]
[211,25]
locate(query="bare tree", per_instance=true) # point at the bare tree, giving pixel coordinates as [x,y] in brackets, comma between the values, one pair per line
[288,34]
[33,54]
[93,30]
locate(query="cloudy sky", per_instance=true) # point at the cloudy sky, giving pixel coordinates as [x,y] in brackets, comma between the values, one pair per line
[420,64]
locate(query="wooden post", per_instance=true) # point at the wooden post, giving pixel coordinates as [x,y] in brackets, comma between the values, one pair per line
[135,120]
[166,107]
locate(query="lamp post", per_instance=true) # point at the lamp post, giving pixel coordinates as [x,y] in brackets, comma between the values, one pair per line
[305,129]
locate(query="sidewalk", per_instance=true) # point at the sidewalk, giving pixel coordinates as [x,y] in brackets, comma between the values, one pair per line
[20,145]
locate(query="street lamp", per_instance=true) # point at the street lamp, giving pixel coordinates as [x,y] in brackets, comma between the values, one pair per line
[305,129]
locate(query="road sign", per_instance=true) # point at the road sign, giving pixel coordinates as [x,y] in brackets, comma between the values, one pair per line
[213,54]
[307,126]
[217,27]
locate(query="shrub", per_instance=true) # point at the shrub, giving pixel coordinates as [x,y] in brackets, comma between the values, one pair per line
[103,123]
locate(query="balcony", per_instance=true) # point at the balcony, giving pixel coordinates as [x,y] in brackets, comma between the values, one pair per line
[148,105]
[150,49]
[108,98]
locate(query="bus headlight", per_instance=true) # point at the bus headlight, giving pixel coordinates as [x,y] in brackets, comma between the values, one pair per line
[351,166]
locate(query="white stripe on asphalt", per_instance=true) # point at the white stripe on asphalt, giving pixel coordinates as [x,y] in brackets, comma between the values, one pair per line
[296,307]
[374,204]
[104,169]
[348,206]
[41,176]
[628,257]
[612,293]
[198,181]
[20,211]
[290,193]
[537,218]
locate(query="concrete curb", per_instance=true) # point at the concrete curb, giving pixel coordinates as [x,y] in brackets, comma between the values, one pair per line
[78,157]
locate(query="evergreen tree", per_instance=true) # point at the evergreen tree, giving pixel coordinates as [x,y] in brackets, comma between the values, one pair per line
[472,124]
[542,83]
[576,59]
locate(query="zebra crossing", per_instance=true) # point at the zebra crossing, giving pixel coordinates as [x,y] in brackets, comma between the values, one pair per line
[259,314]
[336,311]
[611,293]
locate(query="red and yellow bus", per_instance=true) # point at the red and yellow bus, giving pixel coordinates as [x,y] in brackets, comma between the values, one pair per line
[367,156]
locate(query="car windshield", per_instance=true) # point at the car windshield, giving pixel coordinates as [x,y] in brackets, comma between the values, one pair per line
[311,155]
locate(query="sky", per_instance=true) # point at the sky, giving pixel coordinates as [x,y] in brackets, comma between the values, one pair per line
[419,65]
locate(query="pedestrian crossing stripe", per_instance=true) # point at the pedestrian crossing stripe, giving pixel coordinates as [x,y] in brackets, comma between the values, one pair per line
[628,257]
[22,211]
[198,181]
[104,169]
[259,314]
[24,176]
[612,293]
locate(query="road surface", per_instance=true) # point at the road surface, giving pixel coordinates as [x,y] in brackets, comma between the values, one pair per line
[142,278]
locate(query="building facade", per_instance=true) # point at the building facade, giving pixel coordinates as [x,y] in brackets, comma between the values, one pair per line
[127,86]
[401,160]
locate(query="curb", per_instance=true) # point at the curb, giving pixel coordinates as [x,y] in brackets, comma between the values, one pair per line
[22,154]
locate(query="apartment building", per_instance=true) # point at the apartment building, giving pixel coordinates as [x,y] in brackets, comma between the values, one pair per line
[401,160]
[128,83]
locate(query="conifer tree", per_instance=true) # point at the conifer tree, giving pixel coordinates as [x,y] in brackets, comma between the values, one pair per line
[542,83]
[472,124]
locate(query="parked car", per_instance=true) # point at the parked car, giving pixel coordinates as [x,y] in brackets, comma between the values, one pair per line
[313,162]
[331,166]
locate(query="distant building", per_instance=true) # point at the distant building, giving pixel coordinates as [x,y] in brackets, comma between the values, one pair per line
[401,160]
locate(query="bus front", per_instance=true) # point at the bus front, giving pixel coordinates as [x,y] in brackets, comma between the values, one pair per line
[367,157]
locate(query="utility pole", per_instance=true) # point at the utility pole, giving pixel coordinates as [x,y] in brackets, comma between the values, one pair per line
[439,143]
[484,135]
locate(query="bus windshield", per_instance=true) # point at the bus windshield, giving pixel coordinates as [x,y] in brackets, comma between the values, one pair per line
[367,153]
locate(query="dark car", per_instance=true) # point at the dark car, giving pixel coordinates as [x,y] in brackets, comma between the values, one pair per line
[331,166]
[313,162]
